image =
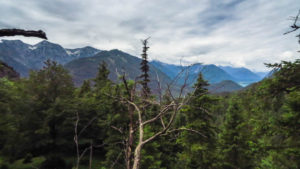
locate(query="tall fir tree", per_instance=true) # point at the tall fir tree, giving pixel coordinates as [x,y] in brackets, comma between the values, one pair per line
[199,150]
[85,88]
[47,127]
[235,149]
[145,70]
[101,79]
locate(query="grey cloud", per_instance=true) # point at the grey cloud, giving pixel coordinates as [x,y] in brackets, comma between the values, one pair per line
[234,32]
[67,10]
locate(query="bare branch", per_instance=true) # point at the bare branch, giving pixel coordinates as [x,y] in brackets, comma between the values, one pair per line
[118,129]
[162,122]
[294,26]
[104,144]
[187,129]
[87,125]
[76,138]
[115,162]
[159,87]
[28,33]
[84,151]
[138,110]
[162,112]
[176,109]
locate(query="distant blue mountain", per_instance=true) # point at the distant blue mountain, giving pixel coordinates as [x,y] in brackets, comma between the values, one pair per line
[169,69]
[211,73]
[23,57]
[262,74]
[241,74]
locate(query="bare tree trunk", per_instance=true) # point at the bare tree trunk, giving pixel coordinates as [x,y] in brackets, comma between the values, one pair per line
[131,109]
[76,141]
[137,156]
[138,149]
[168,110]
[91,155]
[130,138]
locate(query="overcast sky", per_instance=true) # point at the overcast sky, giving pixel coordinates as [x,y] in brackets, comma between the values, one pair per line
[224,32]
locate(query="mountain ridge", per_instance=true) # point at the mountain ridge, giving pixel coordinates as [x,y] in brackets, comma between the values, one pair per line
[23,57]
[213,73]
[118,62]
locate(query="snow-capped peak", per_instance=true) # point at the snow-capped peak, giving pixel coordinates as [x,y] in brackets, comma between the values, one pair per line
[69,52]
[32,47]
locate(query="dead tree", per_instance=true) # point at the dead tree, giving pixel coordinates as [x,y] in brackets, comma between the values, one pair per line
[165,115]
[131,93]
[77,135]
[26,33]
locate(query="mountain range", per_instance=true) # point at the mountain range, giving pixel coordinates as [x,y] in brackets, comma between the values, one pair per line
[118,62]
[23,57]
[83,63]
[212,73]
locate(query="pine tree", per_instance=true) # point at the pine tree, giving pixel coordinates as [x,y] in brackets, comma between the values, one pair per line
[48,93]
[145,70]
[85,88]
[199,150]
[101,79]
[235,151]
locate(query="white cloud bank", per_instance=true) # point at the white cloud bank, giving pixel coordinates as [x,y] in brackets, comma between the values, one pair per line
[231,32]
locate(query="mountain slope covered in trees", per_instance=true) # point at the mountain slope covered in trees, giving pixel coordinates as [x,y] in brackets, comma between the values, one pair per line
[224,86]
[7,71]
[118,63]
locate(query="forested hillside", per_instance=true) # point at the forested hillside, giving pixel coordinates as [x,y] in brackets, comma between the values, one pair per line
[254,128]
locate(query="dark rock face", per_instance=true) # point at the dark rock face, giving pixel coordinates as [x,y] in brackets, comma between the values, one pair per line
[7,71]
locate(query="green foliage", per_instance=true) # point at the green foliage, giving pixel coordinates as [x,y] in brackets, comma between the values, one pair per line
[101,79]
[286,77]
[234,145]
[254,128]
[199,149]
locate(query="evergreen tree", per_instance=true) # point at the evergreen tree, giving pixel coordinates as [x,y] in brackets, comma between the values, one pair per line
[285,150]
[145,70]
[101,79]
[85,88]
[199,150]
[51,90]
[235,151]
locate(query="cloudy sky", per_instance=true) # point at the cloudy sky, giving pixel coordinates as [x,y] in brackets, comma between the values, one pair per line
[225,32]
